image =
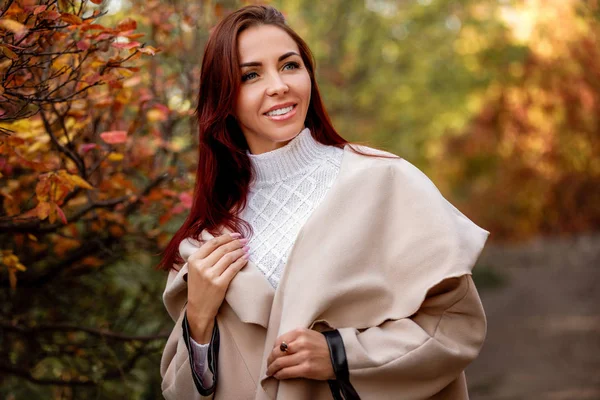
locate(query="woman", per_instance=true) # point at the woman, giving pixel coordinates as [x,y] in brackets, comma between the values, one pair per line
[307,268]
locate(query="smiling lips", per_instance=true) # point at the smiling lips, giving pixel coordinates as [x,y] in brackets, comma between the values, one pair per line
[282,113]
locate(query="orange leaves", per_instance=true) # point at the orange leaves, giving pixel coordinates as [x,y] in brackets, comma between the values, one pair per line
[8,52]
[14,26]
[127,24]
[71,18]
[114,137]
[73,180]
[42,189]
[12,264]
[51,211]
[158,113]
[43,210]
[51,191]
[39,9]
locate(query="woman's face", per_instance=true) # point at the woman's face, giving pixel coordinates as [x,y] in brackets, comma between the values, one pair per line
[275,90]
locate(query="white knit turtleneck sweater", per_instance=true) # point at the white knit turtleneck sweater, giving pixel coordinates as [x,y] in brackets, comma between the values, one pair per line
[289,183]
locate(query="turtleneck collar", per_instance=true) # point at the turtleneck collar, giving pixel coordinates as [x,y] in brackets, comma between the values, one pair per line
[295,157]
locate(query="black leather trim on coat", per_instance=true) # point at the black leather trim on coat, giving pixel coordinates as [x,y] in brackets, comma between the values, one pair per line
[341,388]
[213,357]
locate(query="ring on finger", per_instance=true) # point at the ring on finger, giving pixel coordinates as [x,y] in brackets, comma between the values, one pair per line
[283,347]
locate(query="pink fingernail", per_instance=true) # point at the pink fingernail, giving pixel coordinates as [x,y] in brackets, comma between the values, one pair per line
[243,240]
[246,248]
[236,235]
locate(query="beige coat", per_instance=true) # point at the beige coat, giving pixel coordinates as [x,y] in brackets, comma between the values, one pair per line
[386,260]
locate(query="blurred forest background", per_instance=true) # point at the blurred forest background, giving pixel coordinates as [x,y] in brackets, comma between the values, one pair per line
[498,101]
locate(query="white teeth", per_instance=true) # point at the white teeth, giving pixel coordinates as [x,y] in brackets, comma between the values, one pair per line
[280,111]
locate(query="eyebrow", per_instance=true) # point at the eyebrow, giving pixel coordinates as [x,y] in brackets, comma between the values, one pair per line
[281,58]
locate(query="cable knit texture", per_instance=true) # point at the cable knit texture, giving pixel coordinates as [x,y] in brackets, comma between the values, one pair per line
[289,183]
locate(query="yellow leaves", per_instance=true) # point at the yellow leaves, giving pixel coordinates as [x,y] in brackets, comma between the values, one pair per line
[61,62]
[115,157]
[470,41]
[43,210]
[75,180]
[177,144]
[12,264]
[156,115]
[42,188]
[13,26]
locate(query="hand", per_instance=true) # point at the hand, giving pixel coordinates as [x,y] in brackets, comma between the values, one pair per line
[307,356]
[210,270]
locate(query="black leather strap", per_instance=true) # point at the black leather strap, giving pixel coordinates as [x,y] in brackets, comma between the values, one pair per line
[213,357]
[341,388]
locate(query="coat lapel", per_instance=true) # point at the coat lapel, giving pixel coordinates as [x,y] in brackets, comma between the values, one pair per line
[249,294]
[315,223]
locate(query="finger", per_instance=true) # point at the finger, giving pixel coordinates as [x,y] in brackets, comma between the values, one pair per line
[233,269]
[213,258]
[284,362]
[296,371]
[288,338]
[211,245]
[227,260]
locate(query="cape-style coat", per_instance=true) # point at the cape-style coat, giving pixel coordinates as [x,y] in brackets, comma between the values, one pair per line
[386,261]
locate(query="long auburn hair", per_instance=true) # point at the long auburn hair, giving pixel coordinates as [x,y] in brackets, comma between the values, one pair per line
[224,170]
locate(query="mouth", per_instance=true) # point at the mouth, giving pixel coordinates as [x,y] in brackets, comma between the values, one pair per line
[282,113]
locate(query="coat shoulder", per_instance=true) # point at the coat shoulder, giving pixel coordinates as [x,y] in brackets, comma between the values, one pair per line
[395,170]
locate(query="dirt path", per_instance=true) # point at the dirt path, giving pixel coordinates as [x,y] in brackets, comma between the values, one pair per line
[543,337]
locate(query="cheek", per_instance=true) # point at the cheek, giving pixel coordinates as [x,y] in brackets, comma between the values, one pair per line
[306,86]
[248,102]
[301,85]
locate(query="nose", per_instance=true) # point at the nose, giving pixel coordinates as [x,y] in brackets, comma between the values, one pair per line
[276,85]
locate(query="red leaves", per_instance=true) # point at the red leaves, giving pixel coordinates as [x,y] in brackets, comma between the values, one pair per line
[61,214]
[129,45]
[83,45]
[114,137]
[51,15]
[84,148]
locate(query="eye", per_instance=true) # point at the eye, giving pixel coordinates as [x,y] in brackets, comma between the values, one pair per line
[249,75]
[293,65]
